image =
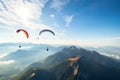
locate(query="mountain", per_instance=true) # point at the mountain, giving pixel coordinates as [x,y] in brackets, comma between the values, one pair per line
[36,74]
[64,68]
[35,51]
[67,70]
[33,54]
[73,51]
[78,64]
[18,60]
[112,51]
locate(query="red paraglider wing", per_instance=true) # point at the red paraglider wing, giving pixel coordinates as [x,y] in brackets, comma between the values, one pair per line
[25,32]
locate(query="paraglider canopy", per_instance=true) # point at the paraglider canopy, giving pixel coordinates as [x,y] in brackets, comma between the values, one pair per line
[46,30]
[25,32]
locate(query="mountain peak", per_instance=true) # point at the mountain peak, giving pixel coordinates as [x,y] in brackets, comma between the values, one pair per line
[73,48]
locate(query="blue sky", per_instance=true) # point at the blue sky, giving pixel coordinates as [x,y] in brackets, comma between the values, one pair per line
[82,22]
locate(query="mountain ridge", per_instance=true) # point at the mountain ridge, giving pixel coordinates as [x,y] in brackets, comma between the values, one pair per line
[90,65]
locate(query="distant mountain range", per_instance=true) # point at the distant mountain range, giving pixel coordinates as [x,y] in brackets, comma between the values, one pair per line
[73,64]
[111,51]
[23,57]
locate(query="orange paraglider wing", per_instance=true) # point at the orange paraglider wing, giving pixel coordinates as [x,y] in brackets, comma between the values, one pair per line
[25,32]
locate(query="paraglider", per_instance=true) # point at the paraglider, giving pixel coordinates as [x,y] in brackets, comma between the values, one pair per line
[19,46]
[46,30]
[47,49]
[25,32]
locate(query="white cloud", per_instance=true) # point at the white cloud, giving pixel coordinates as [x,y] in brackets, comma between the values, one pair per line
[7,62]
[2,55]
[112,38]
[21,13]
[111,55]
[52,15]
[111,41]
[68,20]
[61,39]
[58,4]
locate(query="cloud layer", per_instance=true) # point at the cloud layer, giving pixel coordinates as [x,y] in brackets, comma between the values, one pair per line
[68,20]
[25,13]
[7,62]
[58,4]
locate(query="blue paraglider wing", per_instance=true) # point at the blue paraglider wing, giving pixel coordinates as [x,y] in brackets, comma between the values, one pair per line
[46,30]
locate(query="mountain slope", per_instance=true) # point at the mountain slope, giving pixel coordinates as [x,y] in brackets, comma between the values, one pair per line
[79,64]
[36,74]
[66,53]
